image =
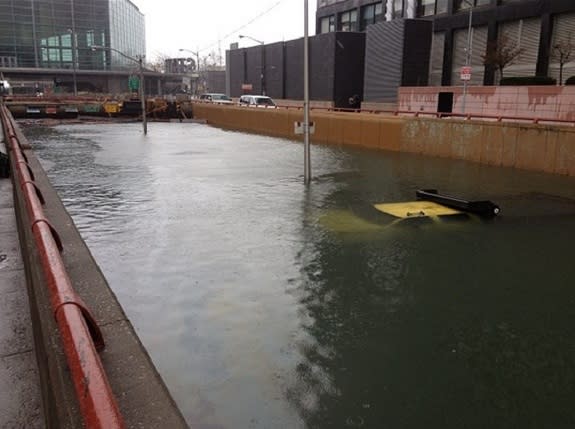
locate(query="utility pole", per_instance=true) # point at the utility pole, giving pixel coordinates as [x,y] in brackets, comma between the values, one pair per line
[468,52]
[307,161]
[140,61]
[72,32]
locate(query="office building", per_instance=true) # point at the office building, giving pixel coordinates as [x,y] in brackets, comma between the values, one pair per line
[536,27]
[58,34]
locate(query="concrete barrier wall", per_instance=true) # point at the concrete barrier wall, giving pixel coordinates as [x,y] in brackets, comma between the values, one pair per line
[143,399]
[545,102]
[543,148]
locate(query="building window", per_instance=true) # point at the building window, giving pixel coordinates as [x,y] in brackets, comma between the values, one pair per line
[434,7]
[348,21]
[466,4]
[324,3]
[426,7]
[370,14]
[398,9]
[441,7]
[327,24]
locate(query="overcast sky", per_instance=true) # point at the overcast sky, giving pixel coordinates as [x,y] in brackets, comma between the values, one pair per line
[200,24]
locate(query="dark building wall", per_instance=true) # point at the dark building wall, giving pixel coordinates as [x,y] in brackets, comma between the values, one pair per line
[236,70]
[416,52]
[274,70]
[215,81]
[321,67]
[294,69]
[383,61]
[336,68]
[254,68]
[349,69]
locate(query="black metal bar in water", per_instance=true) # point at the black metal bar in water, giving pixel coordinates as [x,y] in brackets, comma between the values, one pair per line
[480,208]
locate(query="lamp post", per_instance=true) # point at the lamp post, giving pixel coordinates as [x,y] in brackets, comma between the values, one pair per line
[263,69]
[74,58]
[197,54]
[72,32]
[307,161]
[139,60]
[468,51]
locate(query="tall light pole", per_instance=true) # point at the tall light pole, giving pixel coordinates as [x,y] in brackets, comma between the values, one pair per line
[468,51]
[72,32]
[140,62]
[263,69]
[307,161]
[197,54]
[74,58]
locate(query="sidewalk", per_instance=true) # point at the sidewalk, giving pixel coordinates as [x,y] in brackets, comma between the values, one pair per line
[20,402]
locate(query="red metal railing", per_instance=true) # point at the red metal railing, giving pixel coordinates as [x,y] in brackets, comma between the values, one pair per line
[80,335]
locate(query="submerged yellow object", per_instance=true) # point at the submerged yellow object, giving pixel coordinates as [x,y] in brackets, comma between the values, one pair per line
[346,221]
[415,209]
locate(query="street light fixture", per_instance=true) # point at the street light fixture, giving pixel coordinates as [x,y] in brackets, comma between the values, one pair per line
[138,60]
[197,54]
[263,69]
[468,51]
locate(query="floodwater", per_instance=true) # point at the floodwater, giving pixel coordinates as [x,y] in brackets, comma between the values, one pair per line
[268,304]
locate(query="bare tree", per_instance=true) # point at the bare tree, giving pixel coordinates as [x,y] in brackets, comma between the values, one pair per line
[562,52]
[158,64]
[212,61]
[501,53]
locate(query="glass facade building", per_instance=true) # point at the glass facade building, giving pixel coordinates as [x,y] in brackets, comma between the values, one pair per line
[58,34]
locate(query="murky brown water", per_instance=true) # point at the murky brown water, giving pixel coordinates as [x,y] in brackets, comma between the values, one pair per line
[265,304]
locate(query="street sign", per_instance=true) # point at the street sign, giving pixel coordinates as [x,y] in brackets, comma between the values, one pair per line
[247,86]
[133,83]
[466,73]
[298,128]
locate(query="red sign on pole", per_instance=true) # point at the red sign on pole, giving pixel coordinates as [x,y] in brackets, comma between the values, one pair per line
[466,73]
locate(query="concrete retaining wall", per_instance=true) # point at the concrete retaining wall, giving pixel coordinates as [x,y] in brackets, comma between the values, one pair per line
[543,148]
[544,102]
[143,399]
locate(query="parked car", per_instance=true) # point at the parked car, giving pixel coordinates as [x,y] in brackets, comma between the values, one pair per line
[257,101]
[216,98]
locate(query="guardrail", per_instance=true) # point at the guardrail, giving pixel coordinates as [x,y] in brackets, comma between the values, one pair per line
[466,116]
[80,335]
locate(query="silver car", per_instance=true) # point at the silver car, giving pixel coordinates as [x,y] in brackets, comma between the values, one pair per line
[257,101]
[216,98]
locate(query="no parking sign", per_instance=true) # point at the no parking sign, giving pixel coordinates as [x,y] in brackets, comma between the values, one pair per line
[466,73]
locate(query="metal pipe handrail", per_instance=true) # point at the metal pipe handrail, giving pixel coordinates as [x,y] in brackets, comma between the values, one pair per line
[417,113]
[79,332]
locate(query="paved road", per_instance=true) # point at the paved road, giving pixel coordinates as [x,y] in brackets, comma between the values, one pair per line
[20,403]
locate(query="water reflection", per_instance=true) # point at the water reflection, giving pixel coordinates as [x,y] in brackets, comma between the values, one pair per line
[459,324]
[85,184]
[266,304]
